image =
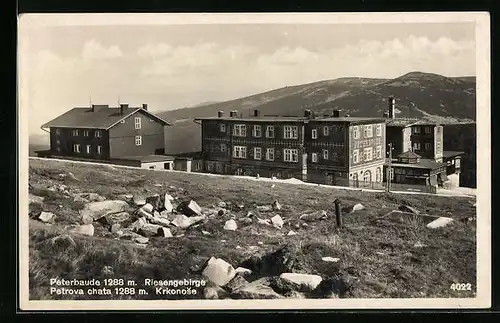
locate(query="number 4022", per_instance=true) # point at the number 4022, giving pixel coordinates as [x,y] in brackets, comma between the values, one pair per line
[461,287]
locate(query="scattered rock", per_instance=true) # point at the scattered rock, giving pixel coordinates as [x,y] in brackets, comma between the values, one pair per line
[295,295]
[330,259]
[206,233]
[147,207]
[264,208]
[277,221]
[256,290]
[222,204]
[315,216]
[276,206]
[35,199]
[220,212]
[139,200]
[158,185]
[143,213]
[168,206]
[149,230]
[80,199]
[115,227]
[168,197]
[246,220]
[102,208]
[282,260]
[126,197]
[218,271]
[46,217]
[141,240]
[86,229]
[291,233]
[266,221]
[165,232]
[87,219]
[181,221]
[230,225]
[419,244]
[107,271]
[304,282]
[243,271]
[439,223]
[297,226]
[118,217]
[409,209]
[160,221]
[190,208]
[236,283]
[154,201]
[139,223]
[89,197]
[212,292]
[357,207]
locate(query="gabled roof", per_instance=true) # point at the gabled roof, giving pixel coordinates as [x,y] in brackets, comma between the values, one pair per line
[101,118]
[409,154]
[296,119]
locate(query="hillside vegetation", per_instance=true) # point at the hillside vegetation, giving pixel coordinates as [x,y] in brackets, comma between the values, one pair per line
[376,255]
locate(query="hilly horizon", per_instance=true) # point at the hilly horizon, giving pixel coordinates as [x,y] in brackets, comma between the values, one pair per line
[437,98]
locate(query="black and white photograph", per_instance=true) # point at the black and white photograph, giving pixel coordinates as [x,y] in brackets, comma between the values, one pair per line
[267,161]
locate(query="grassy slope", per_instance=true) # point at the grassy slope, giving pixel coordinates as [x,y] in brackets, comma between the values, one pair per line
[378,255]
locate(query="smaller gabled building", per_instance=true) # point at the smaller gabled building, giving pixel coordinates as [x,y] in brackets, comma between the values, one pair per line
[106,133]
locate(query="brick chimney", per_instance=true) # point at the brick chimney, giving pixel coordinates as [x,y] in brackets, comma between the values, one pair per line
[92,107]
[233,114]
[145,106]
[256,113]
[220,114]
[336,113]
[392,107]
[308,114]
[123,108]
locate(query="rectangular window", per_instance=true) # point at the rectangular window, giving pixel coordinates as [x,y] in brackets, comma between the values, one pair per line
[138,140]
[88,149]
[222,127]
[223,148]
[290,155]
[378,130]
[367,154]
[137,122]
[378,152]
[428,146]
[428,130]
[368,131]
[314,134]
[240,130]
[257,153]
[99,150]
[416,130]
[325,154]
[355,132]
[291,132]
[270,154]
[416,146]
[98,133]
[76,148]
[270,131]
[257,131]
[58,131]
[75,132]
[314,157]
[240,152]
[325,131]
[85,133]
[355,156]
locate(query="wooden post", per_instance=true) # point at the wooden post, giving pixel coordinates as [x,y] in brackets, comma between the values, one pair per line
[389,169]
[338,213]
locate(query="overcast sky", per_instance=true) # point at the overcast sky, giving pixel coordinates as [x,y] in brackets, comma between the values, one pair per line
[173,66]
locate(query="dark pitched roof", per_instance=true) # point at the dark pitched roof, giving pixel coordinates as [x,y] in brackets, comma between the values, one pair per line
[409,154]
[407,122]
[422,164]
[295,119]
[451,153]
[101,118]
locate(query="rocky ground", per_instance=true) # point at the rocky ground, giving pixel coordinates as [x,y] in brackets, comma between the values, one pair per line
[245,239]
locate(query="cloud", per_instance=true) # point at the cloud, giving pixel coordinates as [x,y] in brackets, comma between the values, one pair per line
[94,50]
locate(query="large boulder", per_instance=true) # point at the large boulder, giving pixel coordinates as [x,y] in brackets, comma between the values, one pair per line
[96,210]
[277,222]
[257,289]
[168,206]
[139,223]
[149,230]
[165,232]
[218,271]
[303,282]
[189,208]
[148,207]
[160,221]
[439,223]
[46,217]
[182,221]
[236,283]
[139,200]
[86,229]
[230,225]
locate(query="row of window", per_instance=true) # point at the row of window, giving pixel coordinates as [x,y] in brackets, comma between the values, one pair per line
[367,131]
[88,149]
[417,146]
[241,152]
[367,154]
[86,133]
[416,130]
[291,132]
